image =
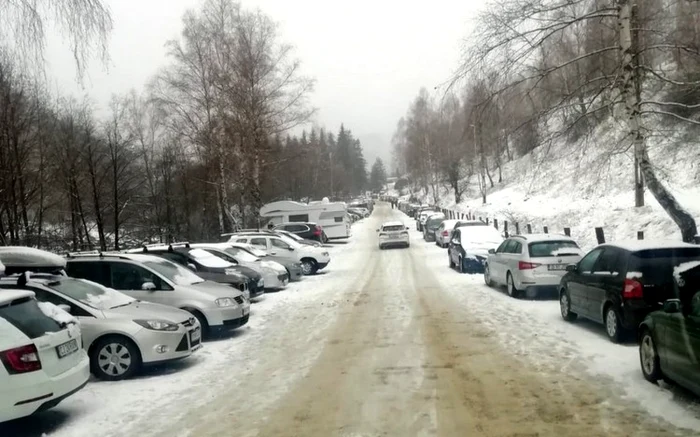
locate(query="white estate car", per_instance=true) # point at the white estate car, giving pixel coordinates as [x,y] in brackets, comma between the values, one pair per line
[393,234]
[42,361]
[312,258]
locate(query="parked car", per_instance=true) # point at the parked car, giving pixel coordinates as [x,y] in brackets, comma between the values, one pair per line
[443,232]
[531,264]
[298,239]
[431,224]
[120,334]
[619,284]
[292,266]
[312,259]
[393,233]
[42,361]
[217,307]
[274,274]
[306,231]
[469,247]
[422,216]
[209,266]
[669,344]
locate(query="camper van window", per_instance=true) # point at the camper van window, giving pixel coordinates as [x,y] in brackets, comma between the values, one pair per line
[338,219]
[299,218]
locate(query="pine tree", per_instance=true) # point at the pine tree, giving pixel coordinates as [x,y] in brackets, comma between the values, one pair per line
[377,178]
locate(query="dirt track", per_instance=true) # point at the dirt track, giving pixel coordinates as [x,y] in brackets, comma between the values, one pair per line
[399,361]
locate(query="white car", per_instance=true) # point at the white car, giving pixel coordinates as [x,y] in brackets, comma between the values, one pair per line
[274,274]
[312,258]
[393,234]
[42,361]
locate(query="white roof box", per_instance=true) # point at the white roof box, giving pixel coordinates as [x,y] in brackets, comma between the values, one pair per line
[18,259]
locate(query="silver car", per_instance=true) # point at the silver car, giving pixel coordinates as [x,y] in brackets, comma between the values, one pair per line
[531,264]
[443,232]
[293,268]
[120,334]
[393,234]
[217,307]
[273,273]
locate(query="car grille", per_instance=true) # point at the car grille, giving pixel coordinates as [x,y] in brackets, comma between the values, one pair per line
[243,287]
[239,299]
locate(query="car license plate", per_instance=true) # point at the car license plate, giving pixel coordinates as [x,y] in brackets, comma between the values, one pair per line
[556,267]
[195,335]
[67,348]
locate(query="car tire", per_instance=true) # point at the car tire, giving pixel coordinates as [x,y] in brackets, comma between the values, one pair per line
[309,266]
[510,286]
[565,306]
[613,327]
[381,247]
[649,357]
[487,276]
[114,357]
[449,258]
[460,267]
[203,324]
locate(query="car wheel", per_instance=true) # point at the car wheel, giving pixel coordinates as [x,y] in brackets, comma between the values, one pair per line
[449,258]
[613,327]
[460,267]
[565,307]
[510,286]
[487,276]
[381,247]
[204,325]
[309,266]
[114,358]
[649,358]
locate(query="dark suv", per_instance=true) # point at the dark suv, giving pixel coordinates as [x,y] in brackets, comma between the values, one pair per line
[619,284]
[209,266]
[307,231]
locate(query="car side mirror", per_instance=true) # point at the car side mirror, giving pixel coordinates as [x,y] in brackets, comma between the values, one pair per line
[192,267]
[492,251]
[672,306]
[571,268]
[148,286]
[64,307]
[291,249]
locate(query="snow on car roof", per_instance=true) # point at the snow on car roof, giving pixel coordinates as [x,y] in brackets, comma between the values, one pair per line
[543,237]
[8,295]
[19,256]
[684,267]
[637,245]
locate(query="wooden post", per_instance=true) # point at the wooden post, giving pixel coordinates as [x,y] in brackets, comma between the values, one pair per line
[567,232]
[529,228]
[640,235]
[462,216]
[546,230]
[517,228]
[487,220]
[495,223]
[600,235]
[505,226]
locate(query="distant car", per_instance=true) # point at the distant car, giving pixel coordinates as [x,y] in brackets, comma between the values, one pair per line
[619,284]
[531,264]
[443,232]
[669,343]
[273,273]
[469,247]
[43,362]
[422,216]
[312,259]
[307,231]
[393,233]
[217,307]
[431,225]
[293,267]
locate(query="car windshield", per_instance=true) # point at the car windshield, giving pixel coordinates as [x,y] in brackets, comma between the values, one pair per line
[241,255]
[543,249]
[289,241]
[90,293]
[208,259]
[173,272]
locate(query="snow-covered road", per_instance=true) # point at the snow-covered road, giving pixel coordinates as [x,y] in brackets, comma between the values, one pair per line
[388,343]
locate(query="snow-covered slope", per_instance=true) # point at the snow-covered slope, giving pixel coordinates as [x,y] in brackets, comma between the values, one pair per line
[588,187]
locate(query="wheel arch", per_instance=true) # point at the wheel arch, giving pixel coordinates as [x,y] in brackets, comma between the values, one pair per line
[114,333]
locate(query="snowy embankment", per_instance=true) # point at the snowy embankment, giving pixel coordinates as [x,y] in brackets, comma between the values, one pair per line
[583,187]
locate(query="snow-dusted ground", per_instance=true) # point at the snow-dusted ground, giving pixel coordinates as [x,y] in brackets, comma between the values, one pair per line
[149,402]
[533,330]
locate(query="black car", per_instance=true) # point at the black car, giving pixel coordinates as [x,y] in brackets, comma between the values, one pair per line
[669,340]
[307,231]
[619,284]
[431,226]
[209,266]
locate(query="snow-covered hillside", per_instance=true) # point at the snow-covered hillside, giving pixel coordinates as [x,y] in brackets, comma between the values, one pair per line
[555,187]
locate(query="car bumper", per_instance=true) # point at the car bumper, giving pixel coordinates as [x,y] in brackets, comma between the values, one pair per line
[41,392]
[222,318]
[230,325]
[275,281]
[178,344]
[633,312]
[256,289]
[323,265]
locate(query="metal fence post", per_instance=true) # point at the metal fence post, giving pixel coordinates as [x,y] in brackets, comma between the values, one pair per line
[546,230]
[529,228]
[517,228]
[567,232]
[495,223]
[640,235]
[600,235]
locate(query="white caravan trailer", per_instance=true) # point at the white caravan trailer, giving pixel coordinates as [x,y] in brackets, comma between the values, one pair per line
[332,217]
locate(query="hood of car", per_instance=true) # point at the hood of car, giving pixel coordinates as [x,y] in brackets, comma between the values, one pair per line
[247,271]
[215,289]
[148,311]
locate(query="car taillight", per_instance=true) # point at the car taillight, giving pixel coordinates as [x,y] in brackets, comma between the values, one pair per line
[522,265]
[22,359]
[317,231]
[445,233]
[633,289]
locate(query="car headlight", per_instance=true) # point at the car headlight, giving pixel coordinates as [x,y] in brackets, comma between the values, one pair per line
[157,325]
[325,254]
[226,302]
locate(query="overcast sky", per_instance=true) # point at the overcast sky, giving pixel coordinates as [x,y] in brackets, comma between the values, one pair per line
[369,57]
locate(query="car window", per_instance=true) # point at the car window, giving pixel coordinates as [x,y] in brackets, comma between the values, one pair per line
[173,256]
[657,266]
[541,249]
[279,243]
[456,236]
[393,228]
[296,228]
[47,296]
[588,261]
[171,271]
[502,247]
[241,255]
[25,315]
[516,248]
[508,245]
[92,271]
[299,218]
[259,242]
[125,276]
[609,262]
[90,293]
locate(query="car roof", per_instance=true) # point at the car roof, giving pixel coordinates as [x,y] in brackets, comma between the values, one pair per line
[137,257]
[393,223]
[10,294]
[532,238]
[295,223]
[639,245]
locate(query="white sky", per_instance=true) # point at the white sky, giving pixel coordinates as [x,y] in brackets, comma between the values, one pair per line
[369,58]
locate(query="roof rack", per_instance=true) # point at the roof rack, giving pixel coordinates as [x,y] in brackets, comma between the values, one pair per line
[94,253]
